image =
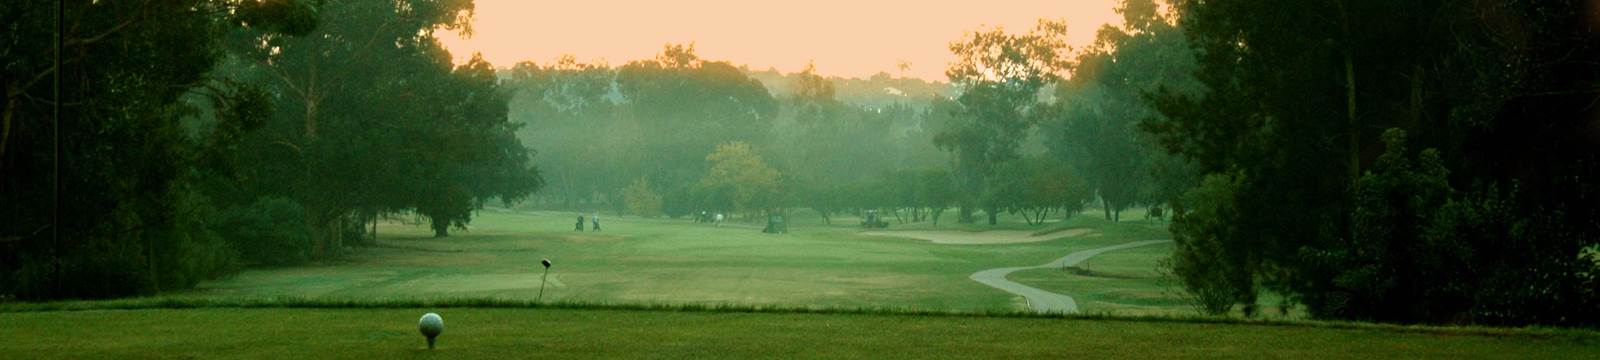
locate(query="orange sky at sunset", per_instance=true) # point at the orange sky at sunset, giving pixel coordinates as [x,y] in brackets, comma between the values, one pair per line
[845,38]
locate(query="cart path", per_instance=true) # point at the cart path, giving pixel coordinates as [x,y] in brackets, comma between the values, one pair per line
[1045,301]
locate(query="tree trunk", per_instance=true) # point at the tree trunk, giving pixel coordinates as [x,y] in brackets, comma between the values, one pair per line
[155,275]
[326,233]
[374,228]
[314,228]
[1106,205]
[1350,107]
[994,218]
[441,228]
[336,235]
[5,121]
[964,215]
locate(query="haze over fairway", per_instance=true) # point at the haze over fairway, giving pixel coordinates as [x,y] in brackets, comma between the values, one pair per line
[661,261]
[844,38]
[820,178]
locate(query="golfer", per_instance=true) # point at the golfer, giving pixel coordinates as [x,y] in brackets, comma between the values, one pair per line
[580,222]
[594,220]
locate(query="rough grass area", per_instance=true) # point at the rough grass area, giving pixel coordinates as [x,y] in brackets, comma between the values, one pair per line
[385,332]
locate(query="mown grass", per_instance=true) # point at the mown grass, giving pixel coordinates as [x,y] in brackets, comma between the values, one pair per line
[487,328]
[290,302]
[670,288]
[663,260]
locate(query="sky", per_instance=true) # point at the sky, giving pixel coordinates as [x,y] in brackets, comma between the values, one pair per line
[842,37]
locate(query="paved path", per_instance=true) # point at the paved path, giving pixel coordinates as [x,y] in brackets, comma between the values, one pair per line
[1045,301]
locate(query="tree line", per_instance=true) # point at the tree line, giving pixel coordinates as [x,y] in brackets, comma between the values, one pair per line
[1424,161]
[197,136]
[1413,162]
[656,138]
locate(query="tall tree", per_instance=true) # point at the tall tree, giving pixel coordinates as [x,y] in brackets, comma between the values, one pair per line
[567,108]
[1094,122]
[736,169]
[467,153]
[130,219]
[999,76]
[371,119]
[1297,94]
[678,108]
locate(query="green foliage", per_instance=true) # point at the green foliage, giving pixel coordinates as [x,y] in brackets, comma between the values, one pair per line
[1000,76]
[1094,123]
[372,117]
[935,190]
[641,200]
[129,215]
[566,108]
[271,231]
[681,108]
[468,153]
[1394,205]
[1210,260]
[737,170]
[1344,219]
[1036,186]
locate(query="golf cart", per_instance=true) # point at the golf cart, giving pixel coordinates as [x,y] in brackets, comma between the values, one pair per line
[775,224]
[871,220]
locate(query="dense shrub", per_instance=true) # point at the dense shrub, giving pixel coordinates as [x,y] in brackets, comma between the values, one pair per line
[272,231]
[1208,260]
[641,200]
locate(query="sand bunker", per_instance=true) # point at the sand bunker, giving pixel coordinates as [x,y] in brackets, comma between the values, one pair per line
[981,237]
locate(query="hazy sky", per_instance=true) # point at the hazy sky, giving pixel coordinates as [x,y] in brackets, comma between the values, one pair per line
[845,38]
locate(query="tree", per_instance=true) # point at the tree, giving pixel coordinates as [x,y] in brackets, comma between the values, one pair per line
[1000,76]
[1212,266]
[566,107]
[1296,95]
[1401,191]
[132,220]
[357,135]
[679,107]
[735,168]
[1036,186]
[641,200]
[469,154]
[1094,122]
[936,191]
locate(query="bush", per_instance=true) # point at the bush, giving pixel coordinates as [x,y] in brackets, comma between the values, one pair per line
[191,251]
[1371,268]
[1210,260]
[641,200]
[271,231]
[171,248]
